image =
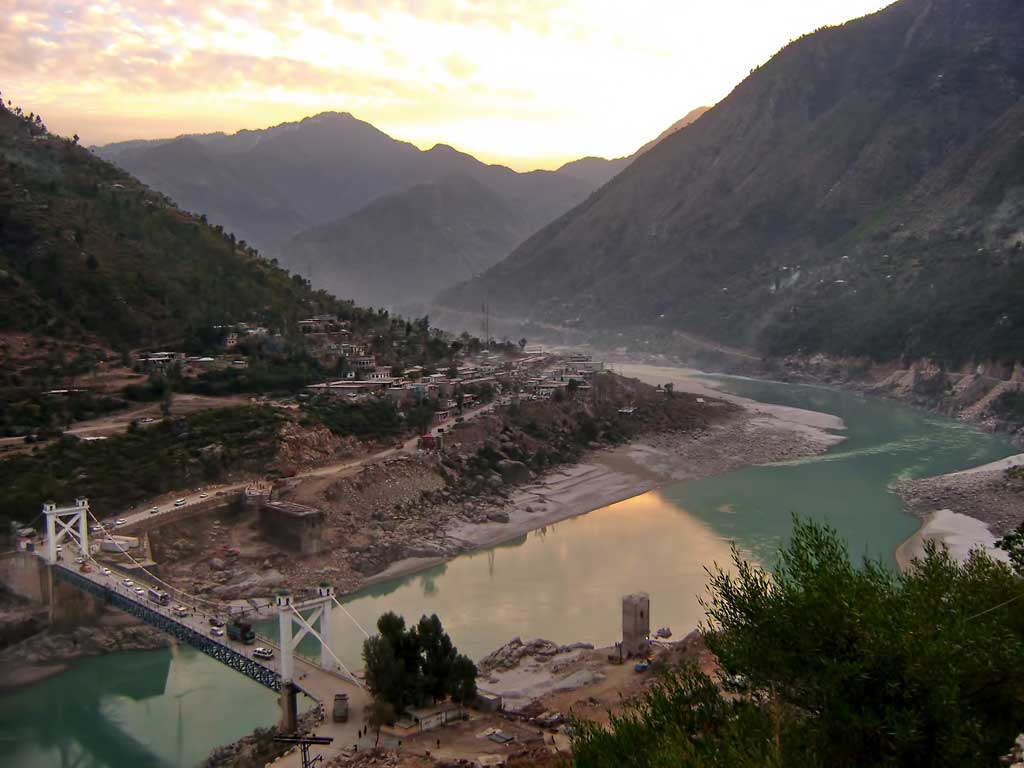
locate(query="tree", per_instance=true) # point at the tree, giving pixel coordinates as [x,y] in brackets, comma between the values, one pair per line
[1013,544]
[840,665]
[405,665]
[166,401]
[462,686]
[384,672]
[439,656]
[381,713]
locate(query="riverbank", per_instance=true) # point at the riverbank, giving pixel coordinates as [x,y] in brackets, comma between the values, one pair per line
[49,653]
[985,394]
[965,509]
[755,434]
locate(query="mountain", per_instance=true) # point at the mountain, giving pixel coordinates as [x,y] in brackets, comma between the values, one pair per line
[685,121]
[410,244]
[269,185]
[599,171]
[860,194]
[90,255]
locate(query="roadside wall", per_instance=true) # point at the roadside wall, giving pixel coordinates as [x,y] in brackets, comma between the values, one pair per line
[181,513]
[24,574]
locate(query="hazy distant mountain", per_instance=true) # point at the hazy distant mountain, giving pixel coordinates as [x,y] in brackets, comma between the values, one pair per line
[283,188]
[410,244]
[269,185]
[598,171]
[860,194]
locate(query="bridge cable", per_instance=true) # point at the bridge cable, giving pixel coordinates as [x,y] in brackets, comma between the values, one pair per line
[222,607]
[360,626]
[309,627]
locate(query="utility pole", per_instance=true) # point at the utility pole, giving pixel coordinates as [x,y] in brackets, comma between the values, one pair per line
[304,743]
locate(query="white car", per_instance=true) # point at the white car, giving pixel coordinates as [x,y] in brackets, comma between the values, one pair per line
[119,522]
[154,510]
[263,653]
[180,503]
[79,560]
[216,631]
[140,591]
[180,610]
[128,583]
[203,495]
[106,571]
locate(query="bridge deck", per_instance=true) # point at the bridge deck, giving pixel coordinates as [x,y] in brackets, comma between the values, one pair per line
[195,629]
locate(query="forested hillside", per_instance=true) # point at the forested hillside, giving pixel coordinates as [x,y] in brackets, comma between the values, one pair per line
[862,193]
[88,254]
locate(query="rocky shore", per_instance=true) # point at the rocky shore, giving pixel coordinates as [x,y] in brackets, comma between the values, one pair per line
[48,653]
[995,497]
[500,476]
[258,748]
[964,510]
[986,394]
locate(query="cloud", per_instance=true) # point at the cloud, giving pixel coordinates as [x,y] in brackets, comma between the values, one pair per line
[504,79]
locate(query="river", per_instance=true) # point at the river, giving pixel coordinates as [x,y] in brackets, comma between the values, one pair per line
[562,582]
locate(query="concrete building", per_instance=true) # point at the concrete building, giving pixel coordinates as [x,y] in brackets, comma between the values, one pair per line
[295,525]
[636,624]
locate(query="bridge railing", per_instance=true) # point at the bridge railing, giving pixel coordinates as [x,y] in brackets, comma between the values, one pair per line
[182,632]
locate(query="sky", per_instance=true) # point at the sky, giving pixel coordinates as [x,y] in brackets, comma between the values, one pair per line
[528,83]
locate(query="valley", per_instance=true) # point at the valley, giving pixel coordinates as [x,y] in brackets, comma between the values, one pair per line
[319,445]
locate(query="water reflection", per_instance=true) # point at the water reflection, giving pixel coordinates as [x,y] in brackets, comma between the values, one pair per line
[145,709]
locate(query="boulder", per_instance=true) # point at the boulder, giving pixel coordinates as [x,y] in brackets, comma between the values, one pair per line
[514,472]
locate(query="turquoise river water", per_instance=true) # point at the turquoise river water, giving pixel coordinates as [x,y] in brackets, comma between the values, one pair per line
[563,582]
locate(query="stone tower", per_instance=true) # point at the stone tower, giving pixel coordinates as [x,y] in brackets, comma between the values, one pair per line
[636,624]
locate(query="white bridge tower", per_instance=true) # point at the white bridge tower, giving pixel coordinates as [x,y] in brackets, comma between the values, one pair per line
[293,626]
[63,523]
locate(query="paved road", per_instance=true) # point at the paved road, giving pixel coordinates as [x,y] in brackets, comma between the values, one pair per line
[166,502]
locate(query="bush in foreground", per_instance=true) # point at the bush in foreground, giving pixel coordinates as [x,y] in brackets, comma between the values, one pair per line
[842,666]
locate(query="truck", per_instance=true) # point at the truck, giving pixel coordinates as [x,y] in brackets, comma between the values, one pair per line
[242,631]
[341,707]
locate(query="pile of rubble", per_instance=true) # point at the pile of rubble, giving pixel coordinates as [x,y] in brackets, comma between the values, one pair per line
[308,446]
[513,653]
[258,748]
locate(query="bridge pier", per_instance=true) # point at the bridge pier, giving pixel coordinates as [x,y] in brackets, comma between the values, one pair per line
[69,606]
[288,700]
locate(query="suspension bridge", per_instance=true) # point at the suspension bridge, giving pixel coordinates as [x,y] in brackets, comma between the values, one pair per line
[197,621]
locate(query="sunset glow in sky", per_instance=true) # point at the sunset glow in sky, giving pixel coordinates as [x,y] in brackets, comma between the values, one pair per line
[530,83]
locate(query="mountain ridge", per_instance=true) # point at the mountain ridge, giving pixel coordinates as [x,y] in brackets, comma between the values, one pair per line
[776,207]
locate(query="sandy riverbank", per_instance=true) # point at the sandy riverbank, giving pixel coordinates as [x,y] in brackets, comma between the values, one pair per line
[963,510]
[759,433]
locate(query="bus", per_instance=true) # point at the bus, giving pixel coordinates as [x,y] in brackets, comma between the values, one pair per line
[159,596]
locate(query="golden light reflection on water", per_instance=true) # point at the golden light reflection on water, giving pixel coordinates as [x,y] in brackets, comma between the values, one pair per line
[564,581]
